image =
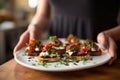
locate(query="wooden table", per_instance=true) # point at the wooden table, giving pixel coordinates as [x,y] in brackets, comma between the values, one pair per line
[13,71]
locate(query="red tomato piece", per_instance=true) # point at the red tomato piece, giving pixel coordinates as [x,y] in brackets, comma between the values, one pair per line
[32,42]
[85,49]
[48,46]
[96,47]
[31,50]
[74,44]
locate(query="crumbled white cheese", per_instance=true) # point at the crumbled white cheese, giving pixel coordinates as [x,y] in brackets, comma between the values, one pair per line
[36,49]
[93,49]
[44,54]
[27,48]
[69,52]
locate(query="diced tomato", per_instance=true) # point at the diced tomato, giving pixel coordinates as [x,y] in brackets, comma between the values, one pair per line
[85,49]
[31,50]
[32,42]
[74,44]
[81,51]
[48,46]
[96,47]
[73,40]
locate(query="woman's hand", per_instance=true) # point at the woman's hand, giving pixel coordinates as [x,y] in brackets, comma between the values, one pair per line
[38,26]
[33,32]
[107,43]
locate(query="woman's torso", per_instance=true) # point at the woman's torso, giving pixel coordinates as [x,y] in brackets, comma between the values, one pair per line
[83,18]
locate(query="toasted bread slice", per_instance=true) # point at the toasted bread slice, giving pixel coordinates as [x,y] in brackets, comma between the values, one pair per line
[80,57]
[39,59]
[96,53]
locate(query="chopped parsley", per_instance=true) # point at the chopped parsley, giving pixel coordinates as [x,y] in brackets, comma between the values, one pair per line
[34,64]
[43,63]
[65,61]
[52,55]
[56,65]
[74,61]
[94,62]
[52,37]
[84,60]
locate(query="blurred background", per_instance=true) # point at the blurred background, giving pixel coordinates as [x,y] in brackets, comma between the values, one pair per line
[15,15]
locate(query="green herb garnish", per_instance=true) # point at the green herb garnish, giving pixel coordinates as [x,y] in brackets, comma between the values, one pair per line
[56,65]
[64,58]
[91,45]
[34,64]
[49,51]
[65,61]
[94,62]
[52,37]
[52,55]
[44,63]
[84,60]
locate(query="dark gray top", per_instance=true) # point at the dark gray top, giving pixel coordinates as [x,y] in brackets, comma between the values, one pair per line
[83,18]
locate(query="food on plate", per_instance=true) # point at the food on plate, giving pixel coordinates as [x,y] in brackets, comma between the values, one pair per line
[79,49]
[48,54]
[58,45]
[74,51]
[72,39]
[91,47]
[34,47]
[70,49]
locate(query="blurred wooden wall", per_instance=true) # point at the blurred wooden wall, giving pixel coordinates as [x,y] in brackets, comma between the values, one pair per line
[21,4]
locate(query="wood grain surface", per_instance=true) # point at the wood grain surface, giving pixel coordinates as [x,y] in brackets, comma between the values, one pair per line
[13,71]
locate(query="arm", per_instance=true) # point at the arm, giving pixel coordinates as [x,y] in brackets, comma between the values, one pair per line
[38,25]
[42,15]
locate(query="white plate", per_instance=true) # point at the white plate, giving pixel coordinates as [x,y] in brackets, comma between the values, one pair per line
[24,60]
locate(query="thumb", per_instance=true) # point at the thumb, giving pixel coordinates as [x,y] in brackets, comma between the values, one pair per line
[22,41]
[103,40]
